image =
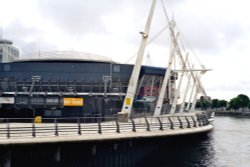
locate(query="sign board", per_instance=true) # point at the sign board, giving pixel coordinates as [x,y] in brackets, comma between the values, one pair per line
[73,101]
[128,101]
[6,100]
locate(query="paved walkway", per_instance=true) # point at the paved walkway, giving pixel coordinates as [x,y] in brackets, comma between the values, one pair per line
[169,125]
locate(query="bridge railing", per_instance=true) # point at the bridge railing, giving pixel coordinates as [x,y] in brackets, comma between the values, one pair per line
[26,127]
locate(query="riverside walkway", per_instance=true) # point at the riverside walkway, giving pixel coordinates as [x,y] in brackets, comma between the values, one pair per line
[13,131]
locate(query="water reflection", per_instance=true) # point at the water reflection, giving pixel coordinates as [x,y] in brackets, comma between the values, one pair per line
[231,141]
[227,145]
[186,151]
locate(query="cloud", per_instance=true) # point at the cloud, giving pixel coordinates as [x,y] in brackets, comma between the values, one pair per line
[218,31]
[28,39]
[79,17]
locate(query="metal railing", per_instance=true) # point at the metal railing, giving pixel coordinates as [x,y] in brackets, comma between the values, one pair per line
[25,127]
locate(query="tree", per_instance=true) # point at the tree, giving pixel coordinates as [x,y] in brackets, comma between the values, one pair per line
[223,103]
[198,104]
[241,101]
[215,103]
[204,103]
[233,104]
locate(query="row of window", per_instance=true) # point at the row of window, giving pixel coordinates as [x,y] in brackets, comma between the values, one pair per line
[51,101]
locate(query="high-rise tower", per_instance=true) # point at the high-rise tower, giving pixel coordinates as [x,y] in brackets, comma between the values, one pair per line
[8,52]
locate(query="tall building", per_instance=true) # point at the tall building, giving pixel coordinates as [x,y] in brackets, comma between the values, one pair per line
[8,52]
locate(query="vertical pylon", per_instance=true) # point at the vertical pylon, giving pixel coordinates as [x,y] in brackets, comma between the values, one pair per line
[166,79]
[129,98]
[176,95]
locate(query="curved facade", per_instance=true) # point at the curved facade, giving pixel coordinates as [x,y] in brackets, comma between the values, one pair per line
[69,88]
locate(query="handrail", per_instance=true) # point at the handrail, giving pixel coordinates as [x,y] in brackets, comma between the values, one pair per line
[79,126]
[14,127]
[161,127]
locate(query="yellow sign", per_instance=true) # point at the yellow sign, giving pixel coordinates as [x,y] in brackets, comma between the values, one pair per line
[38,119]
[73,101]
[128,101]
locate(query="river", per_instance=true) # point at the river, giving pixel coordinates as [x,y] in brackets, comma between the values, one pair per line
[228,145]
[230,142]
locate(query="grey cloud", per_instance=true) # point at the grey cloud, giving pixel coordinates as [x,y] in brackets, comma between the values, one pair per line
[209,35]
[35,47]
[79,17]
[241,85]
[19,34]
[70,16]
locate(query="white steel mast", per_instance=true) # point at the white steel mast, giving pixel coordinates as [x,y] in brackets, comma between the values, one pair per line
[166,79]
[190,96]
[129,98]
[176,95]
[185,94]
[199,89]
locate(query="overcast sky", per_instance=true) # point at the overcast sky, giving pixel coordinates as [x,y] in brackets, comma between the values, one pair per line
[216,30]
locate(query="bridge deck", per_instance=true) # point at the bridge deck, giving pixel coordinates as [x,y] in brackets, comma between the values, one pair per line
[169,125]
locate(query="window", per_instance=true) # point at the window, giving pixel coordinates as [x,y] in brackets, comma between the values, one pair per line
[6,67]
[52,101]
[37,100]
[53,113]
[57,113]
[116,68]
[48,113]
[22,100]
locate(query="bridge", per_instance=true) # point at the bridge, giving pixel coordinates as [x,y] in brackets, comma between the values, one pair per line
[14,131]
[46,142]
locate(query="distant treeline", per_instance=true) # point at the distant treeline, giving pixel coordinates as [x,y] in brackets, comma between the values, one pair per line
[240,102]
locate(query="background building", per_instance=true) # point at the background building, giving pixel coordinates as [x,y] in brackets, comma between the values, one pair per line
[8,53]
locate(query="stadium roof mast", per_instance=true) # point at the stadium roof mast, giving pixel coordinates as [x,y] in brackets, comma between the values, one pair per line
[129,98]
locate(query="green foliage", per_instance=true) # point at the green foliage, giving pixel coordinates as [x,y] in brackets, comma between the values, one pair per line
[223,103]
[241,101]
[203,103]
[234,104]
[215,103]
[198,104]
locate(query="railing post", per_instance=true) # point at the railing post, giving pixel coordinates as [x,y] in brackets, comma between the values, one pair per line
[117,126]
[161,127]
[56,127]
[181,125]
[148,126]
[188,123]
[194,121]
[99,127]
[8,128]
[171,123]
[79,126]
[203,120]
[206,122]
[33,128]
[199,120]
[133,124]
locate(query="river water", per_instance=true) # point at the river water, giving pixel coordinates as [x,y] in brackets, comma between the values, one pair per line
[230,142]
[228,145]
